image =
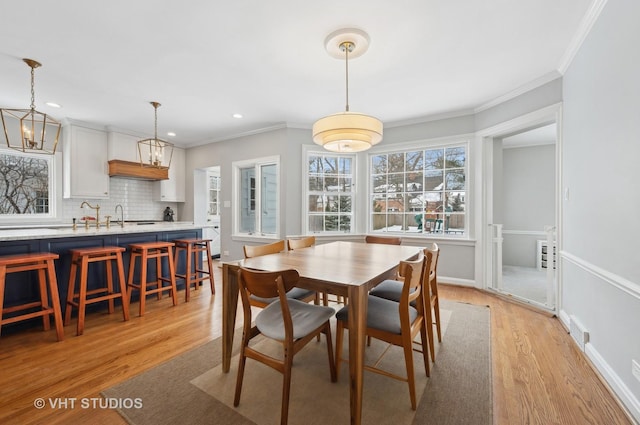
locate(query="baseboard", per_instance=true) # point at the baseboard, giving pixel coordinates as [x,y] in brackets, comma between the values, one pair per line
[628,401]
[456,281]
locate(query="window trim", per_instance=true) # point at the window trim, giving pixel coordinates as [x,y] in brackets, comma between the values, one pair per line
[55,189]
[237,167]
[309,150]
[425,144]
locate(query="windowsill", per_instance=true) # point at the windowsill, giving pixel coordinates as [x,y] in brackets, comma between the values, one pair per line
[253,238]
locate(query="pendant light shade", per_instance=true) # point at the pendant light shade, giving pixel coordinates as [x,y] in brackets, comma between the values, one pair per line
[155,152]
[28,130]
[347,131]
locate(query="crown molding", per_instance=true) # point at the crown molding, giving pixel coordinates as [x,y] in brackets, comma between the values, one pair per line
[278,126]
[581,34]
[540,81]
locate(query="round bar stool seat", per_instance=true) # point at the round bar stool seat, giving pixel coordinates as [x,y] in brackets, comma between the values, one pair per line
[193,275]
[43,263]
[146,251]
[82,257]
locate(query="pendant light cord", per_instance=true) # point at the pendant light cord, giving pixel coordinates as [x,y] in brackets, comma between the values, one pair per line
[33,91]
[347,46]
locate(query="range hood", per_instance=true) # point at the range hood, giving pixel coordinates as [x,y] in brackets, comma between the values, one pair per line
[135,170]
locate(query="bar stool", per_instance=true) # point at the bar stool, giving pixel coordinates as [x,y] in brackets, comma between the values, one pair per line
[193,275]
[82,257]
[146,251]
[43,262]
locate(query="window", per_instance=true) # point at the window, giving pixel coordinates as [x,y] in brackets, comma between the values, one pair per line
[26,186]
[419,191]
[214,195]
[330,192]
[256,202]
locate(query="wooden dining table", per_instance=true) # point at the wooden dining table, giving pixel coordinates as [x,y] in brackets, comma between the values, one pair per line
[342,268]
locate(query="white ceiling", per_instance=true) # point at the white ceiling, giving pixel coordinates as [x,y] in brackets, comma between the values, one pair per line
[206,60]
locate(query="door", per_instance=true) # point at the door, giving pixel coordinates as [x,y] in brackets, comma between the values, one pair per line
[213,210]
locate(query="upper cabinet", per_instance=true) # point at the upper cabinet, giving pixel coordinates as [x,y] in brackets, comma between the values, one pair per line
[172,190]
[123,147]
[85,154]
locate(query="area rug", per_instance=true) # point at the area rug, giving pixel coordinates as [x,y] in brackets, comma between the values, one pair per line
[191,389]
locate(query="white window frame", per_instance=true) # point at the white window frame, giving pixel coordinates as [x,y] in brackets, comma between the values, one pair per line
[424,145]
[308,151]
[55,188]
[237,167]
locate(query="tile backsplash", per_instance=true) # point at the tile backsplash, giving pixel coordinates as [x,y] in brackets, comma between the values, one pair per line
[135,196]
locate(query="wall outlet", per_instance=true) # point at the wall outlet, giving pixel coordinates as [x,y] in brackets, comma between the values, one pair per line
[635,369]
[225,253]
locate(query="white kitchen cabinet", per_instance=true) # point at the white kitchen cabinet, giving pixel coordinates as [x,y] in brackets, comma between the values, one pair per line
[123,147]
[85,172]
[172,190]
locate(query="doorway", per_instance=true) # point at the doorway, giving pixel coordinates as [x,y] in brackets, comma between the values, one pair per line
[207,206]
[521,210]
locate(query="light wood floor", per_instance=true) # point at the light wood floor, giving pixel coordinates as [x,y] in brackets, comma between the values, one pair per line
[539,376]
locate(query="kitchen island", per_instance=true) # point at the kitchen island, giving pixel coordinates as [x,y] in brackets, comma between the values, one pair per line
[23,287]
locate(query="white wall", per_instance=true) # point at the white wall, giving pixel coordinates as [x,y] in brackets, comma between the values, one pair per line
[600,256]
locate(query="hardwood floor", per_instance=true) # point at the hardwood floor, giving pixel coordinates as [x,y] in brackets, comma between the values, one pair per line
[539,376]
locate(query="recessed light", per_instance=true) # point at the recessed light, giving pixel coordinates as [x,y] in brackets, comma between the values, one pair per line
[237,115]
[53,104]
[171,134]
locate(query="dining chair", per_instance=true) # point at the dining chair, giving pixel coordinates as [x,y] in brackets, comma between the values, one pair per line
[392,290]
[291,322]
[301,294]
[389,240]
[397,323]
[301,243]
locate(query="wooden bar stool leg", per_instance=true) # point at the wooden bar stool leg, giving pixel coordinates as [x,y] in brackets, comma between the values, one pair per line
[159,282]
[172,277]
[132,266]
[189,270]
[210,265]
[143,281]
[3,275]
[71,289]
[44,298]
[82,301]
[109,271]
[57,312]
[123,286]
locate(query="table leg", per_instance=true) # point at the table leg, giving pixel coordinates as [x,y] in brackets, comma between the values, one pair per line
[229,309]
[357,335]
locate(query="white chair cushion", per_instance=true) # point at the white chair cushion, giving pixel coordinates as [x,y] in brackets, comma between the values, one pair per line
[305,317]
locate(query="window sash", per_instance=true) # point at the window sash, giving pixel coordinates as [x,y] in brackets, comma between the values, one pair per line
[27,190]
[422,191]
[329,198]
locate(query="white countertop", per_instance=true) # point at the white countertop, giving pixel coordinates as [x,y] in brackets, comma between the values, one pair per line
[38,232]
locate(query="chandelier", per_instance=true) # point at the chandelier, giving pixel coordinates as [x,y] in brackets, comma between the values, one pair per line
[347,131]
[28,130]
[155,152]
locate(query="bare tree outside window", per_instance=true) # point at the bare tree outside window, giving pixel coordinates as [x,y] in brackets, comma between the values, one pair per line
[24,184]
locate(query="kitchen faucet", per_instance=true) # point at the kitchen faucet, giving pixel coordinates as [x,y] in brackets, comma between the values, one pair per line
[121,214]
[97,219]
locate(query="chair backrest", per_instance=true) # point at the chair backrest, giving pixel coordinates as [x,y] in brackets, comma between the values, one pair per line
[389,240]
[431,274]
[302,243]
[411,273]
[267,285]
[251,251]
